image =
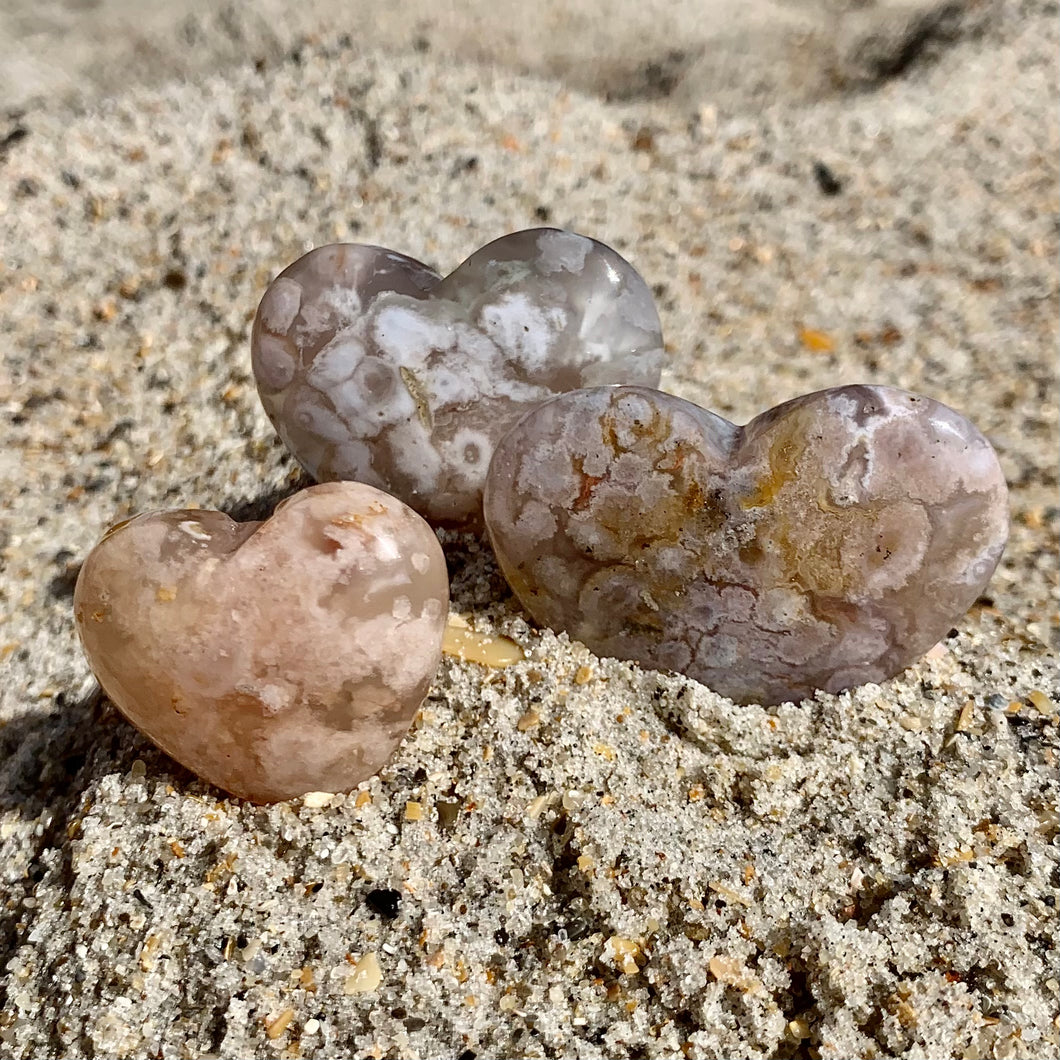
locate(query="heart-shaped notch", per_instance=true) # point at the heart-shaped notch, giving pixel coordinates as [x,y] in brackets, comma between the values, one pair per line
[270,658]
[828,543]
[373,368]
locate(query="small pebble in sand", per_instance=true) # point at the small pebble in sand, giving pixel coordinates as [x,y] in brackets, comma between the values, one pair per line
[365,977]
[371,367]
[827,544]
[290,656]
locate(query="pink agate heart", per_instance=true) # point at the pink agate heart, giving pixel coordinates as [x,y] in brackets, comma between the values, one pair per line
[828,543]
[373,368]
[270,658]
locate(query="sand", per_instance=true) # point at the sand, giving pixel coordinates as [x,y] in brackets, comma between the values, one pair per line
[570,856]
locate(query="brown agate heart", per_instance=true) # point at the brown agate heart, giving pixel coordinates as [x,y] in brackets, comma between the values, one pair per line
[270,658]
[826,544]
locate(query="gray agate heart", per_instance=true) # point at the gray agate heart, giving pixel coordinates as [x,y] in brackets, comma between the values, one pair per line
[826,544]
[371,367]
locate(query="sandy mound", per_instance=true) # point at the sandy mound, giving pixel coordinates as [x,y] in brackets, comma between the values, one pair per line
[587,859]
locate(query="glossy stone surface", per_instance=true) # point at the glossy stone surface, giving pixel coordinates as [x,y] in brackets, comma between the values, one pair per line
[270,658]
[828,543]
[373,368]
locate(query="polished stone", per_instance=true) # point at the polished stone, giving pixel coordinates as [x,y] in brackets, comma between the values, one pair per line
[270,658]
[828,543]
[371,367]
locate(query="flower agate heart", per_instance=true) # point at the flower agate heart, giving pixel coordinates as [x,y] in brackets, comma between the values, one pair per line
[828,543]
[373,368]
[270,658]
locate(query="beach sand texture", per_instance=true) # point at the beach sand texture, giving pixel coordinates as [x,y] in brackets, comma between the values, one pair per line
[571,856]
